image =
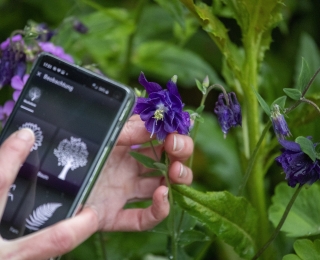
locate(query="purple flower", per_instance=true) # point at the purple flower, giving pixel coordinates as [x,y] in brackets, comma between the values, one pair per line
[79,27]
[45,33]
[55,50]
[279,123]
[298,166]
[12,60]
[162,110]
[17,84]
[5,111]
[228,115]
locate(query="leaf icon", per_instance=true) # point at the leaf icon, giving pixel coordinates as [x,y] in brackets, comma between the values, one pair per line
[40,215]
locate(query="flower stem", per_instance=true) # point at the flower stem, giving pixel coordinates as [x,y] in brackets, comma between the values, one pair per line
[280,224]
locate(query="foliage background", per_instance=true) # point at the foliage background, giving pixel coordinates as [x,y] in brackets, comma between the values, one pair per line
[124,39]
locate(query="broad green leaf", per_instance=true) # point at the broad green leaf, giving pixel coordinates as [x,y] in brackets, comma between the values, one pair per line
[281,102]
[303,218]
[165,59]
[262,103]
[231,218]
[145,160]
[174,7]
[293,93]
[305,250]
[307,146]
[161,166]
[304,75]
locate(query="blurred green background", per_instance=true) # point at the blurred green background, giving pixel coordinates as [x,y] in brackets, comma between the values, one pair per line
[126,37]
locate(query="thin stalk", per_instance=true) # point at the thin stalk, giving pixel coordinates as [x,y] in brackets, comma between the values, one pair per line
[174,242]
[310,103]
[102,244]
[280,224]
[252,159]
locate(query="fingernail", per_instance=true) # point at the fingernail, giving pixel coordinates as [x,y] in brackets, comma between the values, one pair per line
[165,195]
[178,143]
[182,172]
[25,134]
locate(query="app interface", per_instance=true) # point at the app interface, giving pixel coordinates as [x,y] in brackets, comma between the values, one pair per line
[71,115]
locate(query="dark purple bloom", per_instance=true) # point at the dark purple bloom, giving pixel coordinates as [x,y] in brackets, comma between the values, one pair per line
[79,27]
[17,83]
[298,166]
[55,50]
[279,123]
[5,111]
[45,33]
[162,110]
[12,60]
[229,115]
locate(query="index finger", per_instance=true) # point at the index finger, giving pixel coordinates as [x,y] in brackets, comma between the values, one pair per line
[134,132]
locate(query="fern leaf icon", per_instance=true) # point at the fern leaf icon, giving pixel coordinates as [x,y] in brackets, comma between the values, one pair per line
[40,215]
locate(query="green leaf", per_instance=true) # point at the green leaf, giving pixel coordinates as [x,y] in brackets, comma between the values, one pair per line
[200,87]
[281,102]
[165,59]
[304,75]
[262,103]
[190,236]
[231,218]
[174,7]
[293,93]
[161,166]
[305,250]
[153,174]
[307,147]
[145,160]
[303,219]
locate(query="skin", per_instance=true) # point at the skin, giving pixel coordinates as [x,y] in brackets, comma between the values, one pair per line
[120,182]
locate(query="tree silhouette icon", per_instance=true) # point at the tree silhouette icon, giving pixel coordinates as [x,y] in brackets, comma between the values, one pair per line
[71,154]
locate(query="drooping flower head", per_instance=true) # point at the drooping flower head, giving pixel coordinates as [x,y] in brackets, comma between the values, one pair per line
[298,166]
[279,123]
[12,59]
[162,111]
[228,112]
[79,27]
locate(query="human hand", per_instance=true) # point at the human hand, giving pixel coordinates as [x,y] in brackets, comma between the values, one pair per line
[120,182]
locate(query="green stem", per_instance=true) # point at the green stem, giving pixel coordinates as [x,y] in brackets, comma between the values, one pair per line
[280,224]
[103,246]
[174,240]
[252,159]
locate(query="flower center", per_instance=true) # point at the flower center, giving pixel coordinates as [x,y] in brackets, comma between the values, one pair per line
[158,115]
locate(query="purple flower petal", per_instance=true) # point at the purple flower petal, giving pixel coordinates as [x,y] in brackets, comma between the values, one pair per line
[149,86]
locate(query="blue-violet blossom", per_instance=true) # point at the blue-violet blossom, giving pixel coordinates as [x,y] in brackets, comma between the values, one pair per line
[279,123]
[229,115]
[162,111]
[5,111]
[298,166]
[17,84]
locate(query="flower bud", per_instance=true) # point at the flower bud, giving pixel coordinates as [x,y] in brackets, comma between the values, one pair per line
[279,123]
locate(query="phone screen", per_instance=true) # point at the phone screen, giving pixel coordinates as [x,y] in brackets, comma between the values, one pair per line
[76,117]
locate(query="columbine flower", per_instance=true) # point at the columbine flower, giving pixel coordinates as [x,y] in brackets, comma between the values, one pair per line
[12,60]
[44,32]
[298,166]
[5,111]
[55,50]
[279,123]
[229,115]
[162,110]
[17,84]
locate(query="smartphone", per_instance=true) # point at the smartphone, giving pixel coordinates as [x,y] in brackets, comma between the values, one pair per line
[76,116]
